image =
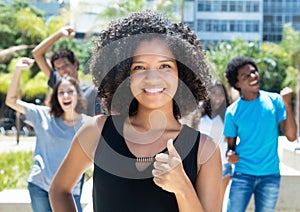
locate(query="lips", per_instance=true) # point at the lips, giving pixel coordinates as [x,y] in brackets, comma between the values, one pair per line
[67,103]
[255,82]
[153,90]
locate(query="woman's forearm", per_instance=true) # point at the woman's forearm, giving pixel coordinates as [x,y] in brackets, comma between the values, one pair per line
[12,93]
[61,202]
[188,200]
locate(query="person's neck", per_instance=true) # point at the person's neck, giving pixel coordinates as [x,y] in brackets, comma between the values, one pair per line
[152,130]
[154,120]
[71,116]
[250,96]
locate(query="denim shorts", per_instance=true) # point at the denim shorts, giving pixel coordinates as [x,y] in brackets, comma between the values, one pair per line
[227,170]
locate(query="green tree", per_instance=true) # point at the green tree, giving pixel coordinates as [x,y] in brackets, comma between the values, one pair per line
[31,28]
[21,25]
[291,43]
[271,59]
[31,87]
[221,53]
[120,8]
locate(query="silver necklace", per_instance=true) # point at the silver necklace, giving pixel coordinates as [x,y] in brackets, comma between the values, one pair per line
[142,163]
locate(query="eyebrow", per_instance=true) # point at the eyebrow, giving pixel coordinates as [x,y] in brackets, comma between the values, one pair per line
[66,89]
[160,61]
[249,72]
[168,60]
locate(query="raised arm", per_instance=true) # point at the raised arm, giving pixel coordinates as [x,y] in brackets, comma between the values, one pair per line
[12,99]
[289,126]
[40,50]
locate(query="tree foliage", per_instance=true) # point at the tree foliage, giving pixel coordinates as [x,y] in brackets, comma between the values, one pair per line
[14,167]
[19,24]
[120,8]
[221,53]
[23,26]
[275,67]
[291,44]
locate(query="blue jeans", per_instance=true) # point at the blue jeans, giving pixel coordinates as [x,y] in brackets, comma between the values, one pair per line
[264,188]
[227,170]
[40,200]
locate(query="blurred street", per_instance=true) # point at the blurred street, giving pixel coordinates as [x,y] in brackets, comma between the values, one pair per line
[9,143]
[290,170]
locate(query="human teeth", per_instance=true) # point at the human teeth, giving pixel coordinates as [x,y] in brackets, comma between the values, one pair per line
[154,90]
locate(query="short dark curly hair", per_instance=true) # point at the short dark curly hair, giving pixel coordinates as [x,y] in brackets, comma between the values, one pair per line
[114,50]
[55,108]
[234,65]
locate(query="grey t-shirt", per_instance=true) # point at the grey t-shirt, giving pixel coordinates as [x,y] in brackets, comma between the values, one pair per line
[53,140]
[89,91]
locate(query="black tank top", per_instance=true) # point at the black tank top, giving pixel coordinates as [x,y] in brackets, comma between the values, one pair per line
[119,186]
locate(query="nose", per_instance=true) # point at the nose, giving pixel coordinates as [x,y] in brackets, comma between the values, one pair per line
[152,74]
[66,93]
[252,75]
[64,71]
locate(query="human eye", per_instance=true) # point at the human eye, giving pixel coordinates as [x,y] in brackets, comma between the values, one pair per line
[70,92]
[245,77]
[164,66]
[138,67]
[61,93]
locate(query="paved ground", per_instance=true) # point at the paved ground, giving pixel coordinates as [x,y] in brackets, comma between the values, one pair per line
[9,143]
[27,143]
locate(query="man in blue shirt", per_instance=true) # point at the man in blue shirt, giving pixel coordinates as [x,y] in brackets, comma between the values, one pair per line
[255,118]
[64,62]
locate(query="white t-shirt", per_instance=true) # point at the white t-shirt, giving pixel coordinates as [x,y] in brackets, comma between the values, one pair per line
[214,128]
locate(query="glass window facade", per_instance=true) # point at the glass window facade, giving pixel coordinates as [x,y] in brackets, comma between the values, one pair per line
[204,25]
[276,13]
[228,6]
[250,19]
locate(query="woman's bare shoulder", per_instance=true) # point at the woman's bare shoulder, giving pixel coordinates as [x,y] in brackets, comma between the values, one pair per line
[89,134]
[207,148]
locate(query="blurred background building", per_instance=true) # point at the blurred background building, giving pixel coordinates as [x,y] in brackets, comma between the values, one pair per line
[251,20]
[213,20]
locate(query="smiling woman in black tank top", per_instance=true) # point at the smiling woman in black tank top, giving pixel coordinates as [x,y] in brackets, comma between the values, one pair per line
[149,73]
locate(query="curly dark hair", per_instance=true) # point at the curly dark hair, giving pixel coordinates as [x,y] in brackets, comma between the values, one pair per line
[64,53]
[234,65]
[114,50]
[207,110]
[55,108]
